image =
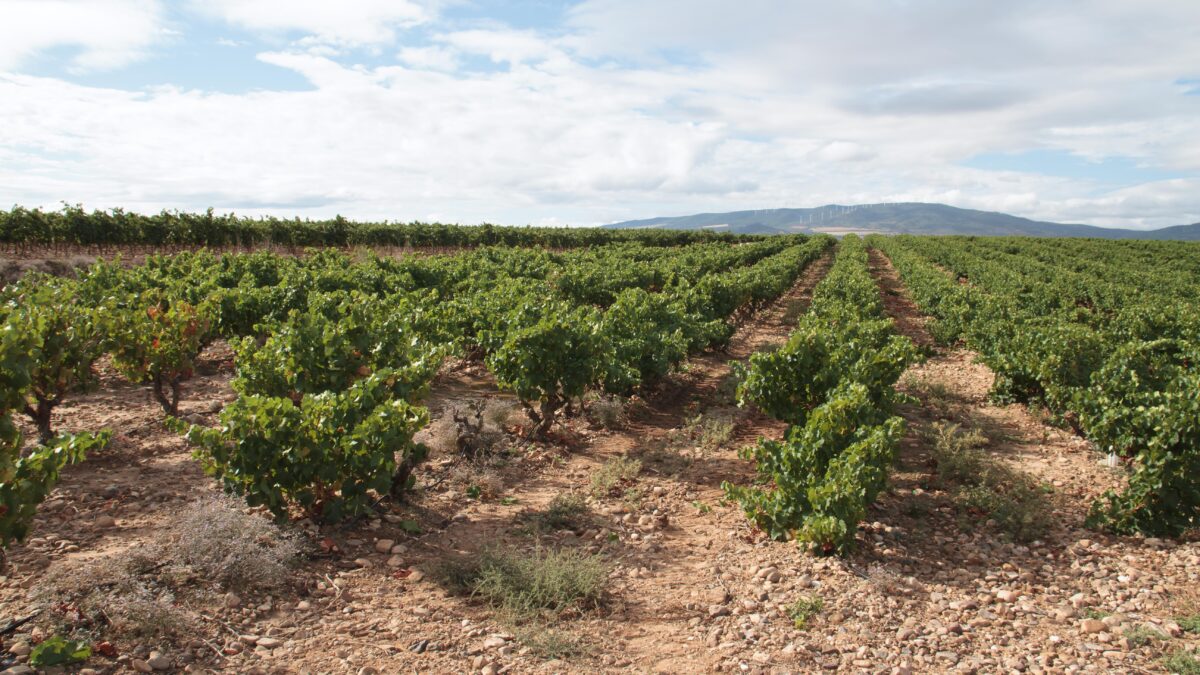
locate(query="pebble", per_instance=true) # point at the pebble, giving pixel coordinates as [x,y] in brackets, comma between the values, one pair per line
[232,600]
[141,666]
[384,545]
[106,522]
[1091,626]
[20,648]
[159,661]
[269,643]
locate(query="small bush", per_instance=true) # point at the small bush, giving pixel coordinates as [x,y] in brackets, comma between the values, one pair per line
[614,473]
[441,436]
[957,453]
[116,598]
[1181,662]
[565,512]
[550,643]
[987,487]
[803,610]
[709,433]
[1141,636]
[501,413]
[607,413]
[529,584]
[223,544]
[477,481]
[933,394]
[1190,623]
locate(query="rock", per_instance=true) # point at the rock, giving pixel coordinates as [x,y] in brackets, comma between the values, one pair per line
[303,606]
[20,669]
[416,575]
[20,648]
[395,561]
[1006,595]
[105,522]
[905,634]
[269,642]
[1091,626]
[718,596]
[368,670]
[141,666]
[159,661]
[384,545]
[232,600]
[494,642]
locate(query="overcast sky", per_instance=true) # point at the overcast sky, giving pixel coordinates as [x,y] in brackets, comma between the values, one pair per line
[553,112]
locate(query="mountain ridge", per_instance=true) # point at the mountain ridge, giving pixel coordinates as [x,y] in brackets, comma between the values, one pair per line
[899,218]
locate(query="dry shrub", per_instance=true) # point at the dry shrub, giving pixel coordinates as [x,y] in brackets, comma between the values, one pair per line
[501,413]
[477,481]
[983,485]
[615,473]
[114,598]
[607,413]
[441,436]
[222,543]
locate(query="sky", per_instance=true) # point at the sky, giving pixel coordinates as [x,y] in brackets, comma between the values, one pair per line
[550,112]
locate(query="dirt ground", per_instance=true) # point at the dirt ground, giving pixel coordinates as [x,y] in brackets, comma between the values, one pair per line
[930,588]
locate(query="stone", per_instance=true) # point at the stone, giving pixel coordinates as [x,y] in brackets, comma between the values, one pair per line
[1006,595]
[494,642]
[159,661]
[718,596]
[106,522]
[1091,626]
[269,642]
[395,561]
[20,648]
[232,600]
[141,666]
[384,545]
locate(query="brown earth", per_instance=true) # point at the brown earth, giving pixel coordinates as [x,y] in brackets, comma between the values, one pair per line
[693,588]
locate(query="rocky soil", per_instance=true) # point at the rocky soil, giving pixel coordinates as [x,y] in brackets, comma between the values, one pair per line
[930,588]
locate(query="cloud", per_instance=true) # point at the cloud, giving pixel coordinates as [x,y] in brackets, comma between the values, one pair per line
[346,22]
[104,34]
[634,109]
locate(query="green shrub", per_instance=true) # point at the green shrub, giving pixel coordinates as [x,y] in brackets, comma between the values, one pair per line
[326,454]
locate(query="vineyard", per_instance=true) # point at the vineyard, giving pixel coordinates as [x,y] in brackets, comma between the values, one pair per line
[512,450]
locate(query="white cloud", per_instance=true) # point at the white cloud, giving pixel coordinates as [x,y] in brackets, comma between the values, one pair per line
[105,33]
[636,109]
[429,58]
[346,22]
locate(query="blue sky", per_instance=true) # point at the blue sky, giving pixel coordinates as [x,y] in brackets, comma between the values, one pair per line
[546,111]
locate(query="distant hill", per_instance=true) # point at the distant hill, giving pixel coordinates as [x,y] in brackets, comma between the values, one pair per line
[898,218]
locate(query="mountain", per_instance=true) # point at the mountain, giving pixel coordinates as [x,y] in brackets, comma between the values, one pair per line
[898,218]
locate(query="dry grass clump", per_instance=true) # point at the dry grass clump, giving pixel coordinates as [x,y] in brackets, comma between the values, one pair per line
[223,543]
[615,473]
[501,413]
[565,512]
[607,413]
[528,584]
[477,481]
[985,486]
[114,598]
